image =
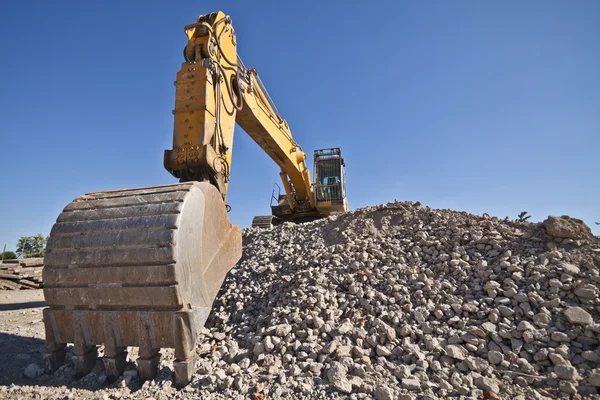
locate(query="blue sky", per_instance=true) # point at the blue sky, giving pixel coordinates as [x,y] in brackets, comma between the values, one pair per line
[476,106]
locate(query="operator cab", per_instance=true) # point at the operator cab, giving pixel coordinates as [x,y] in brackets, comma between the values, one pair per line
[330,180]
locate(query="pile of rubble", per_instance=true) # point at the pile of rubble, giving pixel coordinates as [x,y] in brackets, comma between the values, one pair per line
[403,300]
[398,301]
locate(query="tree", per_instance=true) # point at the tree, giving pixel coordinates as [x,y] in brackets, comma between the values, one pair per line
[523,217]
[32,246]
[8,255]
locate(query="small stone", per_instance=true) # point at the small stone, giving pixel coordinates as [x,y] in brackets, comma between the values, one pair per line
[495,357]
[476,364]
[557,359]
[259,348]
[390,333]
[268,344]
[469,307]
[463,390]
[594,379]
[238,383]
[567,387]
[525,326]
[283,330]
[541,319]
[491,285]
[577,315]
[525,366]
[402,372]
[541,355]
[411,384]
[566,372]
[559,337]
[591,356]
[457,352]
[505,311]
[382,392]
[220,374]
[383,351]
[344,328]
[32,371]
[489,327]
[245,363]
[484,383]
[218,335]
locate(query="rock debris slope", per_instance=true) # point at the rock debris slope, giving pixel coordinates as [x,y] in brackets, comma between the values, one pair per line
[405,301]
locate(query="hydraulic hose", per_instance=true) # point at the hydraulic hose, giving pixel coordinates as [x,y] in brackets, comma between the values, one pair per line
[229,91]
[212,32]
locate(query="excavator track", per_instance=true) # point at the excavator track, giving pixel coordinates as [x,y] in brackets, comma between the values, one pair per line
[136,267]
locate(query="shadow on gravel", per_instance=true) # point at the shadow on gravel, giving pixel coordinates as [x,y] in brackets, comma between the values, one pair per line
[21,306]
[16,353]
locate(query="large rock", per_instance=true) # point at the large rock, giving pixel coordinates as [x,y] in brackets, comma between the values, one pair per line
[567,227]
[577,315]
[337,377]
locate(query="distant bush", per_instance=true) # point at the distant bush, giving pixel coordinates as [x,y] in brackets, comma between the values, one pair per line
[523,217]
[8,255]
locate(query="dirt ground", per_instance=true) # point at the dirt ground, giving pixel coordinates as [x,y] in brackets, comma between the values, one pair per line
[21,333]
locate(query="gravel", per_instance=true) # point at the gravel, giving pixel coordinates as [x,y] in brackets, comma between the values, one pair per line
[393,301]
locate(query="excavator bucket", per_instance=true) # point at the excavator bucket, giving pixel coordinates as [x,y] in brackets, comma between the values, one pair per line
[136,267]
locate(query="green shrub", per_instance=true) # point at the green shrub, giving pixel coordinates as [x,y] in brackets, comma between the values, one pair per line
[8,255]
[523,217]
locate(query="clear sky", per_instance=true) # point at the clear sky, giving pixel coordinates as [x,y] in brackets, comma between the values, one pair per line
[471,105]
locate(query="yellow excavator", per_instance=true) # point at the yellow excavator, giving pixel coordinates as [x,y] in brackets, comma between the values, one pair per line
[142,266]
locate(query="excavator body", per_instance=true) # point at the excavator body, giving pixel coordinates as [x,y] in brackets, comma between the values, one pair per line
[329,189]
[142,267]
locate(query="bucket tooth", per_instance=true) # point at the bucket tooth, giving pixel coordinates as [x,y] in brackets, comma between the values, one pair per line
[84,352]
[54,351]
[184,350]
[115,354]
[147,363]
[136,267]
[183,372]
[84,359]
[114,362]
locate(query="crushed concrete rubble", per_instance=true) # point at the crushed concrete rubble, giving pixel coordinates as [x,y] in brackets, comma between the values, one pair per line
[397,301]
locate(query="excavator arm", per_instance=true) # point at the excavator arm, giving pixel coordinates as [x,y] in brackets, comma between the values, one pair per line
[272,134]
